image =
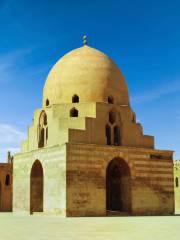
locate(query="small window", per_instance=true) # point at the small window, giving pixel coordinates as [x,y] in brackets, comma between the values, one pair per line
[110,100]
[7,181]
[47,102]
[112,117]
[42,137]
[74,112]
[177,182]
[75,99]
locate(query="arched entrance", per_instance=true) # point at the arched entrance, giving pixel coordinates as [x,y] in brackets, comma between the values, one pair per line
[36,187]
[118,186]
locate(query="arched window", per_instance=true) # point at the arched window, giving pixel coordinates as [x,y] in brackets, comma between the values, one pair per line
[177,182]
[75,99]
[42,130]
[7,180]
[73,112]
[47,102]
[110,100]
[112,117]
[117,136]
[108,135]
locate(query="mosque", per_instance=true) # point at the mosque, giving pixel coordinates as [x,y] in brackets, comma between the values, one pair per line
[85,153]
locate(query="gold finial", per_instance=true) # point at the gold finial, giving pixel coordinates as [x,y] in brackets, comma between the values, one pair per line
[85,40]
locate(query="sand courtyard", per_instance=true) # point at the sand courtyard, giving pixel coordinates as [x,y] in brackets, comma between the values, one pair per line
[13,227]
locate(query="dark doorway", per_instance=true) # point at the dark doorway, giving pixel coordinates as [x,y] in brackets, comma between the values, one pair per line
[36,188]
[118,191]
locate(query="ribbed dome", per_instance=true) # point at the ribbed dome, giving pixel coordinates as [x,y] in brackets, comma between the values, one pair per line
[88,73]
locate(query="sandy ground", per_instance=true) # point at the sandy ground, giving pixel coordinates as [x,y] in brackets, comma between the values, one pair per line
[111,228]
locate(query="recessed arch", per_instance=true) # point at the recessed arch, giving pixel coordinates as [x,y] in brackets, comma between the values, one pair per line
[42,129]
[75,98]
[118,186]
[36,187]
[47,102]
[73,112]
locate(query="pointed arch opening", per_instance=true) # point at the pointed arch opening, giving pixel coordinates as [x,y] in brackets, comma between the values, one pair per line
[118,186]
[7,180]
[110,99]
[36,187]
[42,130]
[47,102]
[73,112]
[75,99]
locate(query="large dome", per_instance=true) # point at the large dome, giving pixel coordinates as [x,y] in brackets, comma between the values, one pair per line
[87,73]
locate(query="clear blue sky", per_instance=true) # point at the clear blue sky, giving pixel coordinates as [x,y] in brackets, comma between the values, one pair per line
[142,37]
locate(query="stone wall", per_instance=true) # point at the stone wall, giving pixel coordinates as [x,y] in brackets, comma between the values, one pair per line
[177,184]
[152,190]
[6,183]
[54,178]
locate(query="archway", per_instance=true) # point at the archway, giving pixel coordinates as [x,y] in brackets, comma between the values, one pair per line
[36,187]
[118,186]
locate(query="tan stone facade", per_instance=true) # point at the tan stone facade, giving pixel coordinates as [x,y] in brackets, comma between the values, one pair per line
[177,184]
[151,179]
[6,183]
[86,155]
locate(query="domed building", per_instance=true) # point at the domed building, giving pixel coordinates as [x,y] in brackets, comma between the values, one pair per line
[85,154]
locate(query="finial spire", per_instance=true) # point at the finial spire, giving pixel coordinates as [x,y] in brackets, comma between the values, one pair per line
[85,40]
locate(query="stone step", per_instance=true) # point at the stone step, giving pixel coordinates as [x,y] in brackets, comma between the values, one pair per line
[116,213]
